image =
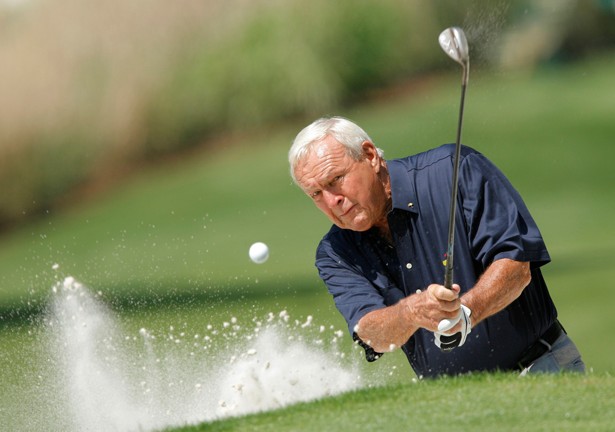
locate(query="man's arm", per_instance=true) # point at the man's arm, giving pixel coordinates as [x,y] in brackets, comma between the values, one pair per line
[500,285]
[389,328]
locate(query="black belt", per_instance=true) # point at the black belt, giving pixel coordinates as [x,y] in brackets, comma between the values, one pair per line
[541,346]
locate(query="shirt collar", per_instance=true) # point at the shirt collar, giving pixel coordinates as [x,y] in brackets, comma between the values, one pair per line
[403,195]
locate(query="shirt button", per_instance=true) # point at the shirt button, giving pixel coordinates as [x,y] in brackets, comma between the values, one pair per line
[409,266]
[410,204]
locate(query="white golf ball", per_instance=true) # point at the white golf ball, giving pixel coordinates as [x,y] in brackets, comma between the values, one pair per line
[259,252]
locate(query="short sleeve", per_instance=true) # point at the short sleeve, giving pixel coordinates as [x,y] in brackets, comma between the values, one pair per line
[353,293]
[498,222]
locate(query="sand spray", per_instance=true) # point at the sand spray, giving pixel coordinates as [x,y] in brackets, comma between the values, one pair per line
[103,378]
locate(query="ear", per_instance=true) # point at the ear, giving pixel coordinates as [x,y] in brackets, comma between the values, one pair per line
[371,154]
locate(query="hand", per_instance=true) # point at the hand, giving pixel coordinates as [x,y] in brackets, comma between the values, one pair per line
[428,307]
[447,340]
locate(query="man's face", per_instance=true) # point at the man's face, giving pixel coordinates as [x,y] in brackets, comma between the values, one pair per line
[348,191]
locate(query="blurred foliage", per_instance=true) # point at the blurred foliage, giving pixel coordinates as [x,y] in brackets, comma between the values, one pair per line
[91,88]
[589,27]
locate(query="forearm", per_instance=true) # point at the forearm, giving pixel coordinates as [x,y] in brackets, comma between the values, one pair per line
[388,328]
[501,284]
[391,327]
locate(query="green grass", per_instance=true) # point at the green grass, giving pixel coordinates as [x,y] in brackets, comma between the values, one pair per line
[481,402]
[170,244]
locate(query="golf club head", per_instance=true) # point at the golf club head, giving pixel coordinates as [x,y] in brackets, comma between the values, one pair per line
[454,43]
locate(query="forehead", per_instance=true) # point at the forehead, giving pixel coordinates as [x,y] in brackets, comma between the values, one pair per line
[324,158]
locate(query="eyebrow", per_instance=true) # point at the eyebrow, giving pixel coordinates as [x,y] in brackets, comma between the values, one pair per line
[328,177]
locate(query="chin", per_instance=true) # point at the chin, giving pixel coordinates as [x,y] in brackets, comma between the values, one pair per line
[359,226]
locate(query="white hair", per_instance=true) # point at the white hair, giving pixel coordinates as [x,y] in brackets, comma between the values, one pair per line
[347,133]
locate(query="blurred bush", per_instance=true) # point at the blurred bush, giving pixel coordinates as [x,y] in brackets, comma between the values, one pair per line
[91,88]
[288,59]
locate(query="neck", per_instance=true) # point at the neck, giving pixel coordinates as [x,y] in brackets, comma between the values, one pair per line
[383,224]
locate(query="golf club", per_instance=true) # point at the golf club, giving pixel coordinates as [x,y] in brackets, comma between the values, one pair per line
[454,43]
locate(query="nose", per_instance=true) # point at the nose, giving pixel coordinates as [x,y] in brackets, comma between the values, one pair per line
[332,199]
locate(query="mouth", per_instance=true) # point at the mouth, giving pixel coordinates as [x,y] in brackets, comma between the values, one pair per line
[347,211]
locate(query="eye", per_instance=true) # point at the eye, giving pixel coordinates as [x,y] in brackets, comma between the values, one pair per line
[336,180]
[315,194]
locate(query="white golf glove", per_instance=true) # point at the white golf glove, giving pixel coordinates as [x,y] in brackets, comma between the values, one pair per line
[447,341]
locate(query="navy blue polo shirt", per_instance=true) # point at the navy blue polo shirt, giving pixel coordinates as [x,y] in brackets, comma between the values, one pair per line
[363,272]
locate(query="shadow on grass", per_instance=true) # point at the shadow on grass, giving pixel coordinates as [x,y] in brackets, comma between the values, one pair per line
[141,297]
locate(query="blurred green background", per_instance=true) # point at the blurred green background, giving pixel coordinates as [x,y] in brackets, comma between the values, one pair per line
[92,91]
[143,144]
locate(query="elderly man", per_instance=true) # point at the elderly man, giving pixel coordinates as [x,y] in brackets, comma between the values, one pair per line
[382,261]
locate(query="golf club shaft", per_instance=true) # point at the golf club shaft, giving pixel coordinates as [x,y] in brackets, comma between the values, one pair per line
[448,273]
